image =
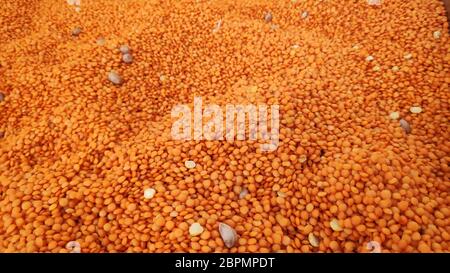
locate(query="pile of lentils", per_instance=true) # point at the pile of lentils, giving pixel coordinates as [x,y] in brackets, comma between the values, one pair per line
[88,164]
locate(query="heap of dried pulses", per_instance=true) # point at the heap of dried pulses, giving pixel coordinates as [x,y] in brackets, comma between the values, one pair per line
[88,161]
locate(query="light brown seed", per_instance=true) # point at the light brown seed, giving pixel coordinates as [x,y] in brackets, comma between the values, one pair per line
[228,234]
[405,126]
[115,78]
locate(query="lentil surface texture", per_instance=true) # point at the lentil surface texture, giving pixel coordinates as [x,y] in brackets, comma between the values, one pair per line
[87,162]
